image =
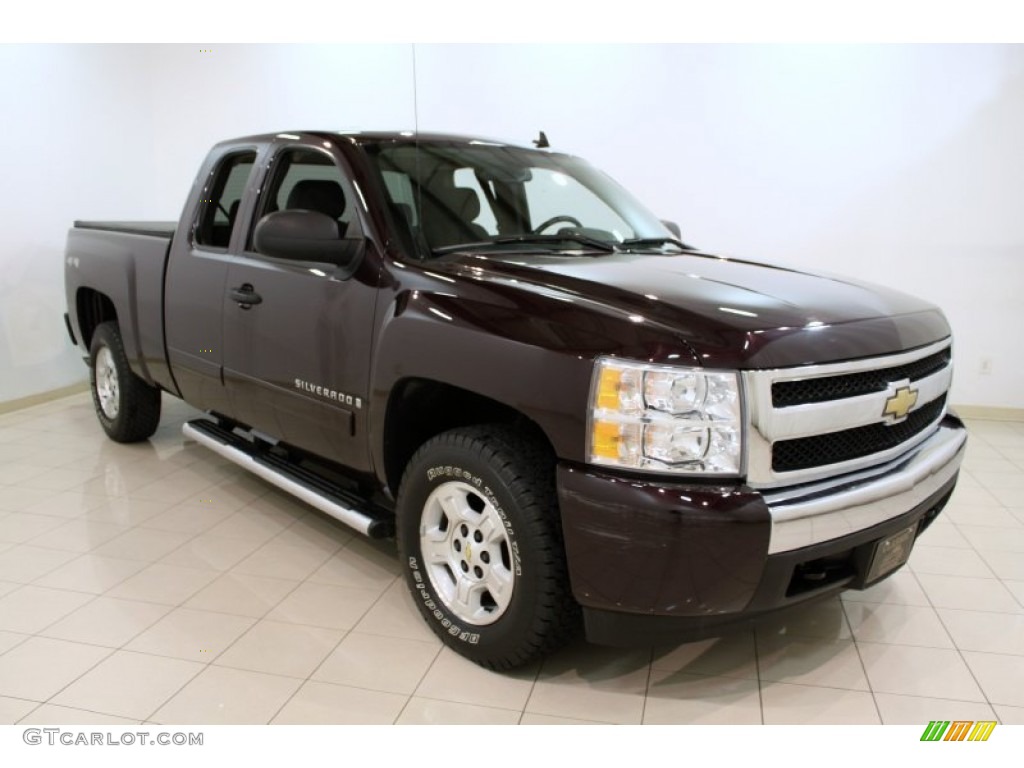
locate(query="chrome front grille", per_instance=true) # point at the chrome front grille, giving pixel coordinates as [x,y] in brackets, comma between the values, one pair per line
[824,388]
[811,422]
[848,444]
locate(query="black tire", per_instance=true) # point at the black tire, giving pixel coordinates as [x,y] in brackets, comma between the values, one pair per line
[506,482]
[129,410]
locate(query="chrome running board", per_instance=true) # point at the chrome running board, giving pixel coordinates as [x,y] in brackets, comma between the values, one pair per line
[338,502]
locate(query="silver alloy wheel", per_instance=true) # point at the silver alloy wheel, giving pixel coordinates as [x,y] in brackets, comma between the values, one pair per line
[466,553]
[106,383]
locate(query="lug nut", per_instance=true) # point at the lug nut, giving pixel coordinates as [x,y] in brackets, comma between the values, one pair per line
[479,572]
[485,557]
[457,545]
[465,566]
[478,537]
[465,530]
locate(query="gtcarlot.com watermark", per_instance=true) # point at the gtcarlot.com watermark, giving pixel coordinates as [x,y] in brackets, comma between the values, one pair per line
[61,736]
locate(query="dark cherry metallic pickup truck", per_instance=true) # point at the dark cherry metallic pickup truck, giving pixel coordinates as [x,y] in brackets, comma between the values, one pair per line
[494,353]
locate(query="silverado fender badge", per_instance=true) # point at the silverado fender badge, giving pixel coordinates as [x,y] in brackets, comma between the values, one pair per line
[899,404]
[329,394]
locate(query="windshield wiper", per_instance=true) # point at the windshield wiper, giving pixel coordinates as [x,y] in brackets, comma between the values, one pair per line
[461,247]
[590,242]
[640,242]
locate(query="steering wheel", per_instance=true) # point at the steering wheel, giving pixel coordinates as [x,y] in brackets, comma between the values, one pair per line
[556,220]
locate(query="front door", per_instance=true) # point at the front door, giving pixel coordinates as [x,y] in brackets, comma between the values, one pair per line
[296,363]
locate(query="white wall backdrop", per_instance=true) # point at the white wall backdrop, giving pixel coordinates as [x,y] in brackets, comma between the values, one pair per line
[200,99]
[901,165]
[74,144]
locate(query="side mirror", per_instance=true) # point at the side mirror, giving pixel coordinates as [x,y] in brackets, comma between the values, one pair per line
[305,236]
[672,227]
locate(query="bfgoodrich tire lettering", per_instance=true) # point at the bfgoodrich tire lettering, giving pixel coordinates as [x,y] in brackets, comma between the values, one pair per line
[128,408]
[480,541]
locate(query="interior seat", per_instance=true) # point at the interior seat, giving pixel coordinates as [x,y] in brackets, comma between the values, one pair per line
[320,195]
[448,213]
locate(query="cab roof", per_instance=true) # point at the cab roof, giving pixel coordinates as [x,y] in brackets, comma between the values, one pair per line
[378,137]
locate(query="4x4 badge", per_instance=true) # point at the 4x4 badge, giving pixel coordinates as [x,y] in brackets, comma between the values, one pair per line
[898,406]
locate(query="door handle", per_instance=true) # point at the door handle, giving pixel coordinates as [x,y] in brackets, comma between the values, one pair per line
[245,296]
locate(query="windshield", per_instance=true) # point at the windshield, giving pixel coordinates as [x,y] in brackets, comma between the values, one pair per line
[489,195]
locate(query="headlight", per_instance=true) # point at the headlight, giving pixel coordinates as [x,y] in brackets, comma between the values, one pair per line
[660,418]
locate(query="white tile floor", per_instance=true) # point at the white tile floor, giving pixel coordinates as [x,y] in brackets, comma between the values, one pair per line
[157,583]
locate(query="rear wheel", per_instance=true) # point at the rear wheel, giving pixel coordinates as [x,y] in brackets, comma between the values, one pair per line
[480,540]
[127,407]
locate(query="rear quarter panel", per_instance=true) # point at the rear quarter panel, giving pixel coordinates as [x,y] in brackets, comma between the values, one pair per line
[129,270]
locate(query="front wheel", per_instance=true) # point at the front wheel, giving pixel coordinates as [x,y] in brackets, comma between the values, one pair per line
[127,407]
[480,540]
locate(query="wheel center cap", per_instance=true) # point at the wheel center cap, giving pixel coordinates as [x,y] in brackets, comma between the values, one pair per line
[469,551]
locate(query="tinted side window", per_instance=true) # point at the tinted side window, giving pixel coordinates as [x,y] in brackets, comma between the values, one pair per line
[303,179]
[218,212]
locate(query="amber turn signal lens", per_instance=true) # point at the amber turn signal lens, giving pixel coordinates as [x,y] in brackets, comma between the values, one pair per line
[605,440]
[608,388]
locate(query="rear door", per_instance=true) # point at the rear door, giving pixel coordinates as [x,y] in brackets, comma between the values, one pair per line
[296,364]
[196,274]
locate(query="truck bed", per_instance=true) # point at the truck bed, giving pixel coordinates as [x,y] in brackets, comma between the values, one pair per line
[150,228]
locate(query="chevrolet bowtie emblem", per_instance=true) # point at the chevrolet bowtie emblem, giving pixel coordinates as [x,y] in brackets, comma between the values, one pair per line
[898,406]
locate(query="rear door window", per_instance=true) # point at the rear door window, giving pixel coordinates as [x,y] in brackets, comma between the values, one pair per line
[218,210]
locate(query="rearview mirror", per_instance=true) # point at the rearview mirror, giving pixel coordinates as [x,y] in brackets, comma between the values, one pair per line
[305,236]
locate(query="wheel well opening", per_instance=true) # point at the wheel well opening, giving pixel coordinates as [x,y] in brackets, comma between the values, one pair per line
[419,409]
[93,308]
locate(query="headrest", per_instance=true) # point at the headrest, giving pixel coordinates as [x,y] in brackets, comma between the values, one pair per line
[465,203]
[405,212]
[320,195]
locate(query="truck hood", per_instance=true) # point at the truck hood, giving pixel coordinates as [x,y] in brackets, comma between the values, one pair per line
[731,313]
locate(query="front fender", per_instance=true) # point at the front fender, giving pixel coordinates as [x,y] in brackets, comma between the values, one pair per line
[529,351]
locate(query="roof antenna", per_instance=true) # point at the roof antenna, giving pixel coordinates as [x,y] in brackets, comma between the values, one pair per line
[541,142]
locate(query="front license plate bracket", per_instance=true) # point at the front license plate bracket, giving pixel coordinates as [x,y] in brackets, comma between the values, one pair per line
[890,553]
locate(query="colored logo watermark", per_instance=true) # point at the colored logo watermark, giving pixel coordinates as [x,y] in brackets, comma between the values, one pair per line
[958,730]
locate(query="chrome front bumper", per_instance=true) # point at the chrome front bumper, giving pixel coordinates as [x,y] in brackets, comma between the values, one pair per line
[812,513]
